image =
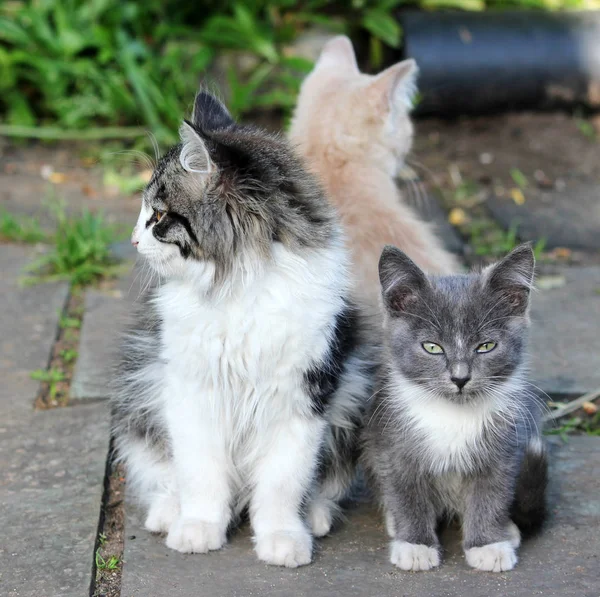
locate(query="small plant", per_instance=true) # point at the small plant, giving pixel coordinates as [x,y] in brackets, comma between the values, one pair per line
[519,178]
[81,250]
[102,539]
[69,355]
[69,322]
[577,425]
[488,239]
[50,376]
[21,229]
[111,563]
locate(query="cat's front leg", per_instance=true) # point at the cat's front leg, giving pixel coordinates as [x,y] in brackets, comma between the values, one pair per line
[201,468]
[283,476]
[490,537]
[411,521]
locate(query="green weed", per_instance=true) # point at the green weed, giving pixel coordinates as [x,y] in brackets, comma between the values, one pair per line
[69,322]
[577,425]
[69,355]
[102,539]
[80,252]
[49,376]
[20,229]
[489,239]
[519,178]
[111,563]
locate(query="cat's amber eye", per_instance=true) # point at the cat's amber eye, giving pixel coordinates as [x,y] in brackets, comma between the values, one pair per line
[432,348]
[486,347]
[158,214]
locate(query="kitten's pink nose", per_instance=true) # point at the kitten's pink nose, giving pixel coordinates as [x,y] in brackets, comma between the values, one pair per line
[134,242]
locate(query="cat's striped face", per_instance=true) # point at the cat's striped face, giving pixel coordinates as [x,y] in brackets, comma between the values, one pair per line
[221,199]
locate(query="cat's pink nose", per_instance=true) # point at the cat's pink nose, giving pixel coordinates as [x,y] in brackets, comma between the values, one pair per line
[134,242]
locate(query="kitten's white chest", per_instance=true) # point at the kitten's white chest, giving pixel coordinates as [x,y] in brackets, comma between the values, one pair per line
[451,432]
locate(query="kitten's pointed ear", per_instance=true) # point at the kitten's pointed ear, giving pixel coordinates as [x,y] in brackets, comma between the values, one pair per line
[397,85]
[194,156]
[513,278]
[401,280]
[210,114]
[338,53]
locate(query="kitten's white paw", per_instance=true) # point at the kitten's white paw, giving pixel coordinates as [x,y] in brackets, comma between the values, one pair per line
[162,514]
[285,549]
[390,524]
[411,556]
[320,517]
[514,535]
[189,535]
[495,557]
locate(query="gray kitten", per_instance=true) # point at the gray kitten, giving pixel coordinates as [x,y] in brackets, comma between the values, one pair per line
[453,428]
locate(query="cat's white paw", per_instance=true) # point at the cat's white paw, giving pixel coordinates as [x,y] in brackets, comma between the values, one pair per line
[189,535]
[320,517]
[162,514]
[411,556]
[514,535]
[495,557]
[285,549]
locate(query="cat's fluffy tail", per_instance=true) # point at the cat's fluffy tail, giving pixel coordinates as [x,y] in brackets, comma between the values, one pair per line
[529,507]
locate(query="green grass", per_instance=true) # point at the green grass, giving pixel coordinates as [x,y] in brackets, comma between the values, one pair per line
[577,425]
[49,376]
[69,322]
[80,251]
[110,563]
[21,229]
[69,355]
[488,239]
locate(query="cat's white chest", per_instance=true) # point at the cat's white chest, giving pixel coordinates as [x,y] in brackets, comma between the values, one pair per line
[451,432]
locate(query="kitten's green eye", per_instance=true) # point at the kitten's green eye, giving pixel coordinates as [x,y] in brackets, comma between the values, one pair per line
[432,348]
[486,347]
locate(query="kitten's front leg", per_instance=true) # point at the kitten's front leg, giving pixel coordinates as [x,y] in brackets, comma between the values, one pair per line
[282,478]
[202,471]
[490,537]
[411,520]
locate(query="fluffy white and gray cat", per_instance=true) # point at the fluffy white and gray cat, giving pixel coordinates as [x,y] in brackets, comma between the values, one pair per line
[453,426]
[243,379]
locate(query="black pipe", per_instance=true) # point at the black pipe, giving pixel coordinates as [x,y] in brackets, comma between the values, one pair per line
[492,61]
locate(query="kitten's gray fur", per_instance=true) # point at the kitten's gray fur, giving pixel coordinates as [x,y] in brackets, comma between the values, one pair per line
[456,433]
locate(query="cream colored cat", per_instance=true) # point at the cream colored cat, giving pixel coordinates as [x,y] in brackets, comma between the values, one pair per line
[355,131]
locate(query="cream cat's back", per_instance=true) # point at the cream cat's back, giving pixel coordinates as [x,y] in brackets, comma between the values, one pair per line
[354,131]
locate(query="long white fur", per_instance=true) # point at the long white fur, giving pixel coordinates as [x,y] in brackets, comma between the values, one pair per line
[231,395]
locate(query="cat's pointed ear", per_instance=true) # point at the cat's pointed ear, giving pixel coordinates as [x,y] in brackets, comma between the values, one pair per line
[194,156]
[401,280]
[512,278]
[397,85]
[210,114]
[338,53]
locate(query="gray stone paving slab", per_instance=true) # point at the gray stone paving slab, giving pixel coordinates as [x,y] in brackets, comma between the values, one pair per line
[562,562]
[51,462]
[569,218]
[106,312]
[51,484]
[28,324]
[565,334]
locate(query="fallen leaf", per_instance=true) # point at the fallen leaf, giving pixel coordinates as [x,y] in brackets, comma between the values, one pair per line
[88,191]
[517,196]
[457,216]
[57,177]
[589,408]
[562,253]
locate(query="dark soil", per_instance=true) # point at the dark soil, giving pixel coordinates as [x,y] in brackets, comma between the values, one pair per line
[465,160]
[110,537]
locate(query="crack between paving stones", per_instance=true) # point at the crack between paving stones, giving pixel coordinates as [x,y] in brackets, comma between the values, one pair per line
[110,541]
